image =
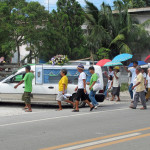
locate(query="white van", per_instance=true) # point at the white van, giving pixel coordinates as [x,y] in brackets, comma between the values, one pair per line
[45,83]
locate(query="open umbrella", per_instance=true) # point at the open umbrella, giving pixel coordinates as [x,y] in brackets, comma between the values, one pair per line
[140,63]
[111,63]
[103,62]
[147,60]
[122,57]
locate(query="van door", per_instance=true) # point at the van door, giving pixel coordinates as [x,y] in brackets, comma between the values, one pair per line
[7,88]
[47,89]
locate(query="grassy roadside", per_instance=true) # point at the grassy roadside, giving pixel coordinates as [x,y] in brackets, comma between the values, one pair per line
[124,87]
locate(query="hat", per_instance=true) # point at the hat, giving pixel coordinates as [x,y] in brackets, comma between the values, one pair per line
[80,66]
[117,67]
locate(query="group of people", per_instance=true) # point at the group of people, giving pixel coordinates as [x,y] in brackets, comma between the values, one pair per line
[137,87]
[140,82]
[81,92]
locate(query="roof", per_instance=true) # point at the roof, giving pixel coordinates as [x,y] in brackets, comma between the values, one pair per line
[135,10]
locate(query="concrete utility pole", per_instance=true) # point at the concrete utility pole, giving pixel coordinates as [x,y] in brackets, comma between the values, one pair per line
[48,5]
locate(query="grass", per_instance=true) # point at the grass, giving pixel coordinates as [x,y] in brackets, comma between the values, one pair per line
[124,87]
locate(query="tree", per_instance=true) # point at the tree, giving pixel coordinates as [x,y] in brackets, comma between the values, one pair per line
[37,19]
[117,32]
[133,3]
[4,32]
[70,17]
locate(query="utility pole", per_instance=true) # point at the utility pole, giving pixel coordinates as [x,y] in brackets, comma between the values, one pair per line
[48,5]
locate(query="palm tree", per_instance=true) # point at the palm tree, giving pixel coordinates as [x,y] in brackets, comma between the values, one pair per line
[114,30]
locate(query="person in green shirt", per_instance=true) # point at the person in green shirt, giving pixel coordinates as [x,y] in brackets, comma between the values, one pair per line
[93,80]
[28,88]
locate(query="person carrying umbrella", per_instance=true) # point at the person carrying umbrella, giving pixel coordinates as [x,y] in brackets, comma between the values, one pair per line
[116,83]
[133,71]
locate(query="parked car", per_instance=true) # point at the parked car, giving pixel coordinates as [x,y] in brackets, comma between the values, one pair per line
[45,83]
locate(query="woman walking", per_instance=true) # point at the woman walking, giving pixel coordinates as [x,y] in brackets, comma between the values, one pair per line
[116,84]
[63,83]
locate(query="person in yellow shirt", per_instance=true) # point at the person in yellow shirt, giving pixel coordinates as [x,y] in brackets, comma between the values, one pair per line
[140,90]
[63,83]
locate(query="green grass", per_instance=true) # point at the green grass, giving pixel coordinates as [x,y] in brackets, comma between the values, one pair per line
[124,87]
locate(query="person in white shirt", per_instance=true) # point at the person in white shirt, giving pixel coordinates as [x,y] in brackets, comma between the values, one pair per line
[133,71]
[110,73]
[109,90]
[116,84]
[148,85]
[81,89]
[144,75]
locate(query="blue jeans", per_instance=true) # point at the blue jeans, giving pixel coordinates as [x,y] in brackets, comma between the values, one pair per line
[105,93]
[130,90]
[92,98]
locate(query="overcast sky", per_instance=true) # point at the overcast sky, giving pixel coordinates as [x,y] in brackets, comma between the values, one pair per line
[52,3]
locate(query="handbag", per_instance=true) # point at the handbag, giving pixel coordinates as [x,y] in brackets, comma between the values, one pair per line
[97,86]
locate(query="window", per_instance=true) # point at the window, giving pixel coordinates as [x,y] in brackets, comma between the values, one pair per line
[17,78]
[53,76]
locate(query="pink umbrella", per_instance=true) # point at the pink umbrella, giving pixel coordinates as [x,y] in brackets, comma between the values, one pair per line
[103,62]
[147,60]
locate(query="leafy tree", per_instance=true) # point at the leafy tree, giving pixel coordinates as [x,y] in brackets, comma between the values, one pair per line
[117,32]
[4,32]
[37,18]
[103,53]
[132,3]
[70,17]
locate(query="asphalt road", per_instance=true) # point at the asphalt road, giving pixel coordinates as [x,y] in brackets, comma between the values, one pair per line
[113,126]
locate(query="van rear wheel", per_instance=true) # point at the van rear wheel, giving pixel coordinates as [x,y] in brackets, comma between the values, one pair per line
[81,103]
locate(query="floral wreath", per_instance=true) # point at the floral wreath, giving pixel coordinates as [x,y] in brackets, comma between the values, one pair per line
[59,60]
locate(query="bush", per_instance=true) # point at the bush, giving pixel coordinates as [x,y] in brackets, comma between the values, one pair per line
[124,87]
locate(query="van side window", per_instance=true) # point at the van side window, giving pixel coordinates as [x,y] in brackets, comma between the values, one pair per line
[51,76]
[17,78]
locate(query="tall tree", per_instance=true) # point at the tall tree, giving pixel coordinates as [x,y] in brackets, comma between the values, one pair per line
[114,31]
[70,18]
[37,19]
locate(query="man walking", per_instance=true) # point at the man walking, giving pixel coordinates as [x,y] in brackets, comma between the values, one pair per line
[93,80]
[28,88]
[81,89]
[140,90]
[133,71]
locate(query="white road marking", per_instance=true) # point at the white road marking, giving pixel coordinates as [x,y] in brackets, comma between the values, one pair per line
[100,142]
[60,117]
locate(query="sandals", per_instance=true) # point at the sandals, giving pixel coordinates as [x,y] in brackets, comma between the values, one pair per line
[75,111]
[28,110]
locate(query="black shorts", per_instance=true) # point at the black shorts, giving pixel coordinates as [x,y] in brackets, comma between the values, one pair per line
[80,95]
[116,91]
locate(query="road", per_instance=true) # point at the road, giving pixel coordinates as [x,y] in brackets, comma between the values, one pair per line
[112,126]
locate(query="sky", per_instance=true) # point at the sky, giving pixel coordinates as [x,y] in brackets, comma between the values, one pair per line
[52,3]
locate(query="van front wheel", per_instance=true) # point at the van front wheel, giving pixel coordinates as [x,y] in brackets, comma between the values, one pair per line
[81,103]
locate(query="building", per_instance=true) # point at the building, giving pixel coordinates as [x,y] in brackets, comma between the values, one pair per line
[142,15]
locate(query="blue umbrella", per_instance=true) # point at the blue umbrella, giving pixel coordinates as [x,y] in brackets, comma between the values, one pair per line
[122,57]
[111,63]
[140,63]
